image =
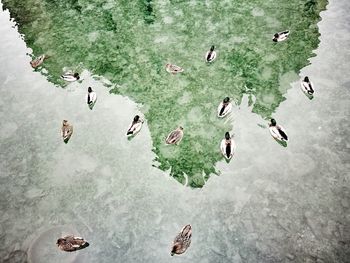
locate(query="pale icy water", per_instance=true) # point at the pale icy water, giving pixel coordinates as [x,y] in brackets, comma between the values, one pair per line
[270,204]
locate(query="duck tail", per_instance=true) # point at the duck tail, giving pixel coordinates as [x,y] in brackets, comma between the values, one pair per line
[283,134]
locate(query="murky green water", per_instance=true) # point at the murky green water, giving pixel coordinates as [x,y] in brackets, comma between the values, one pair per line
[129,43]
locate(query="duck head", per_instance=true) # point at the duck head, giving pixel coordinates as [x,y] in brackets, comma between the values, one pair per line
[136,118]
[273,122]
[175,249]
[226,100]
[61,242]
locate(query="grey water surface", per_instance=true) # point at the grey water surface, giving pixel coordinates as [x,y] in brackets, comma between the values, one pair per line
[269,204]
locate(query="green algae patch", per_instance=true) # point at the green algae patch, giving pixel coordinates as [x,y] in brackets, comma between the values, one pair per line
[129,43]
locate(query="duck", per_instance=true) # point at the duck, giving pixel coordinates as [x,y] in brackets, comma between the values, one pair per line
[307,86]
[91,98]
[210,56]
[277,131]
[135,126]
[173,68]
[225,107]
[182,241]
[175,136]
[38,61]
[70,77]
[281,36]
[227,146]
[67,131]
[71,243]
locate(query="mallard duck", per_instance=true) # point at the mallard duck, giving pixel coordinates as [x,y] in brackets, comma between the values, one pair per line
[281,36]
[135,126]
[227,146]
[91,98]
[38,61]
[67,131]
[210,56]
[175,136]
[307,86]
[277,131]
[71,243]
[173,68]
[70,76]
[182,241]
[225,107]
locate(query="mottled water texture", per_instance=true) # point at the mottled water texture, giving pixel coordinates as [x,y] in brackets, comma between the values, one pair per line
[129,42]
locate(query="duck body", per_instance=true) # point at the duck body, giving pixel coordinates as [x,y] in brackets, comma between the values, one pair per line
[67,131]
[70,77]
[182,241]
[38,61]
[281,36]
[278,133]
[134,128]
[173,68]
[71,243]
[307,87]
[210,56]
[175,136]
[91,98]
[224,109]
[227,148]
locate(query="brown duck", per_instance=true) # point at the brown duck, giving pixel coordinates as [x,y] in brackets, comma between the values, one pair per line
[67,131]
[71,243]
[182,241]
[175,136]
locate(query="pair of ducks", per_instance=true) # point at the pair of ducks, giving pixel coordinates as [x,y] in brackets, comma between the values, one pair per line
[277,132]
[69,76]
[67,129]
[210,56]
[180,244]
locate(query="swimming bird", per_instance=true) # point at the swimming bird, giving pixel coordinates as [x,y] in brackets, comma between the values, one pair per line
[281,36]
[67,131]
[307,86]
[182,241]
[71,243]
[173,68]
[135,126]
[227,146]
[277,131]
[210,55]
[70,77]
[224,108]
[91,98]
[38,61]
[175,136]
